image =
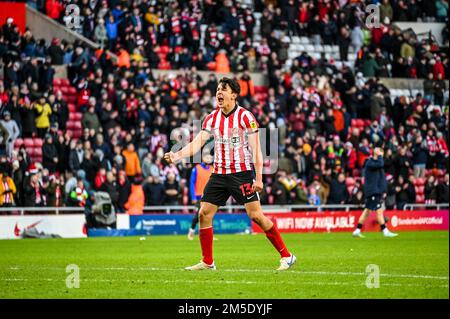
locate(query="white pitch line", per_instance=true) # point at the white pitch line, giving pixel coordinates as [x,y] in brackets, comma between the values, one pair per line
[232,282]
[327,273]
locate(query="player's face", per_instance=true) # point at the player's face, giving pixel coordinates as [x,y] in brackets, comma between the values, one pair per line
[225,97]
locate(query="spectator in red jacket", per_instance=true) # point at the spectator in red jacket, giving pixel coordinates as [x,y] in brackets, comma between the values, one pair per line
[100,178]
[438,68]
[53,8]
[350,156]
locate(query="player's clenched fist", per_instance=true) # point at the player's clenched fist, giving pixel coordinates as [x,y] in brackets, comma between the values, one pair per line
[170,157]
[257,186]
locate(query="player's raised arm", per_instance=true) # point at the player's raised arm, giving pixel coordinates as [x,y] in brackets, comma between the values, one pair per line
[190,149]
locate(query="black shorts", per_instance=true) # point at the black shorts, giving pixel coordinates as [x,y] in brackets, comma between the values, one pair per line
[374,202]
[221,186]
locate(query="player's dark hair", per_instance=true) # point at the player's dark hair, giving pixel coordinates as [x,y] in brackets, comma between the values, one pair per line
[232,83]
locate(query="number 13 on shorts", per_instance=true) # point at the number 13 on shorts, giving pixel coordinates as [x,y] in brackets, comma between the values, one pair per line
[246,189]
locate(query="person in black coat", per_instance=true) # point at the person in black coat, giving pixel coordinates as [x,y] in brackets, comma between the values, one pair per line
[28,118]
[338,190]
[124,190]
[442,190]
[31,184]
[110,187]
[76,155]
[404,192]
[375,189]
[50,157]
[154,191]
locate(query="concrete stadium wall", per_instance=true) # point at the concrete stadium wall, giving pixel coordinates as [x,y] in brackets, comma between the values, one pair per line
[405,83]
[46,28]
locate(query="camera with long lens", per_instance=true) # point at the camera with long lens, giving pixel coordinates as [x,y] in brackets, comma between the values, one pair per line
[101,214]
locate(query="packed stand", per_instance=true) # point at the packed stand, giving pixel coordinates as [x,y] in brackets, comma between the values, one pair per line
[327,121]
[229,35]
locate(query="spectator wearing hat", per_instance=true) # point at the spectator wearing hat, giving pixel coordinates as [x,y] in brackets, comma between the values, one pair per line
[13,132]
[56,52]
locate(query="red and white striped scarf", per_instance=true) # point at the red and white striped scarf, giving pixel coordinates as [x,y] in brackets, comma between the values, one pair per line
[8,197]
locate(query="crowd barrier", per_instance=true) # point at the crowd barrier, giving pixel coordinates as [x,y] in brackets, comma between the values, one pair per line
[69,222]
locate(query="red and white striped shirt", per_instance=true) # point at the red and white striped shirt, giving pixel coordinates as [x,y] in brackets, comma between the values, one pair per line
[231,153]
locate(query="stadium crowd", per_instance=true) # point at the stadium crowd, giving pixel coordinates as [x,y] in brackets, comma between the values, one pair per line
[129,113]
[169,33]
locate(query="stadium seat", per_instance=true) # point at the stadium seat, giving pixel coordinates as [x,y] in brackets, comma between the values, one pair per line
[327,48]
[38,142]
[65,82]
[72,107]
[309,48]
[18,142]
[304,40]
[37,151]
[28,142]
[76,133]
[71,99]
[65,90]
[30,151]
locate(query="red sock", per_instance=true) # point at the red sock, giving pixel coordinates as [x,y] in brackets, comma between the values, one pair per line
[206,241]
[274,236]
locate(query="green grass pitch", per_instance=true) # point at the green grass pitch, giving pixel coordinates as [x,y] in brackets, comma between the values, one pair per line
[330,265]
